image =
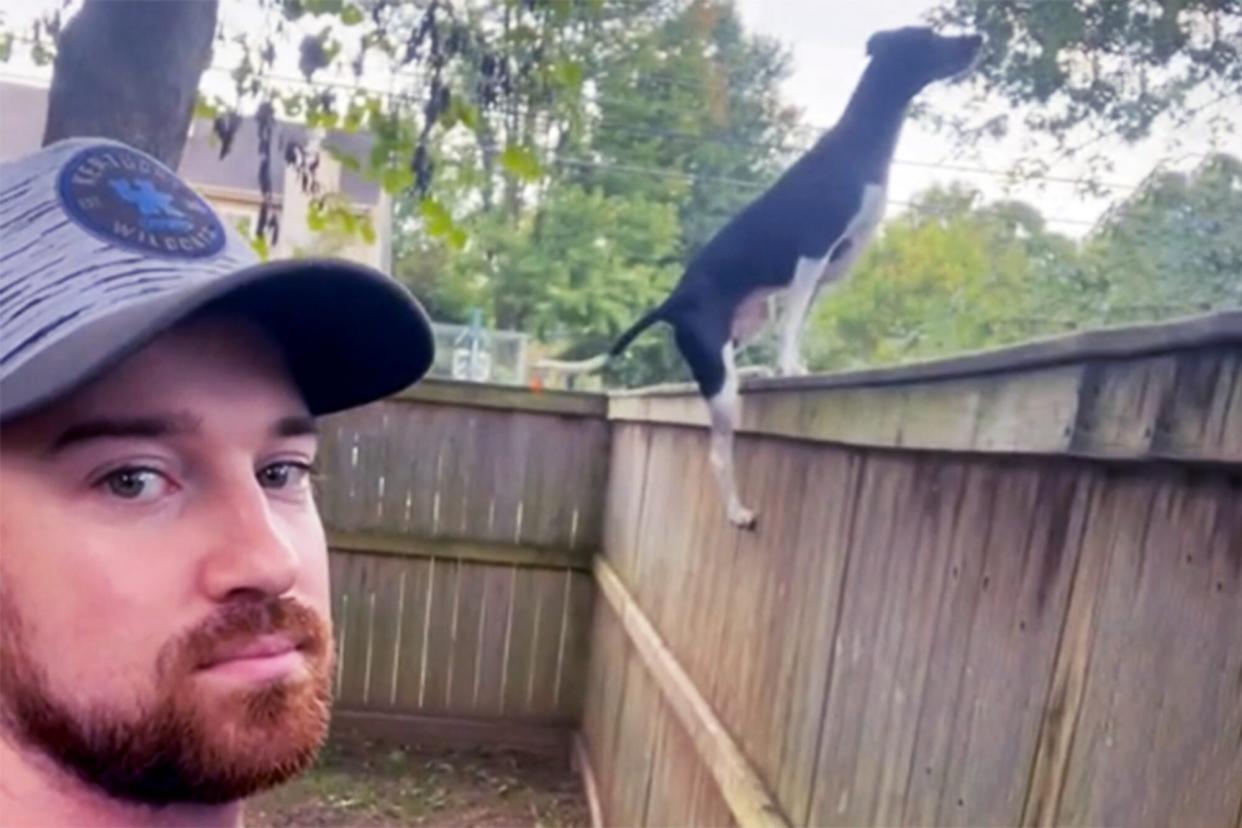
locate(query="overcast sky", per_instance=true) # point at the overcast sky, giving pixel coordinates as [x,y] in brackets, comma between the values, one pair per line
[826,42]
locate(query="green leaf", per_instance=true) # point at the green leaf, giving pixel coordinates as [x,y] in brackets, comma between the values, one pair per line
[460,112]
[436,216]
[568,73]
[439,223]
[292,105]
[521,163]
[351,15]
[315,219]
[202,107]
[396,180]
[6,47]
[353,117]
[259,245]
[366,228]
[322,6]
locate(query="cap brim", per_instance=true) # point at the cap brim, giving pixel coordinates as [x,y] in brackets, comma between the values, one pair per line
[350,334]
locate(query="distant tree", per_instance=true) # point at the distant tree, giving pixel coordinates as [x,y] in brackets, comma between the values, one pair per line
[1071,77]
[944,277]
[1173,248]
[1117,66]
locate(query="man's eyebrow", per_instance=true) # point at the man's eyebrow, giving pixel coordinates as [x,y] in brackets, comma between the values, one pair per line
[119,428]
[299,425]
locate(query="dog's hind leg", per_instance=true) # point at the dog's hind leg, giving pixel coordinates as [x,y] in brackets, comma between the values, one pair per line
[716,372]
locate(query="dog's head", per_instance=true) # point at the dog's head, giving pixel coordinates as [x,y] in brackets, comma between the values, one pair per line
[918,56]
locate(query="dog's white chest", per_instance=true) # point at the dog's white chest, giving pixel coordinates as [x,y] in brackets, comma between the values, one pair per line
[857,233]
[875,197]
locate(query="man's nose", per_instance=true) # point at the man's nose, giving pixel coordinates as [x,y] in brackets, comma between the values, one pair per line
[249,553]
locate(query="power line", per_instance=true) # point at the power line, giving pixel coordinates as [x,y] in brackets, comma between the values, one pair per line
[676,134]
[736,182]
[962,168]
[750,184]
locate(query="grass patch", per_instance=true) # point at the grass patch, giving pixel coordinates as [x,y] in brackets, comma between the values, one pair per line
[372,785]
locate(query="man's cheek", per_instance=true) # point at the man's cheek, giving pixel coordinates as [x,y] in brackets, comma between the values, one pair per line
[112,618]
[312,550]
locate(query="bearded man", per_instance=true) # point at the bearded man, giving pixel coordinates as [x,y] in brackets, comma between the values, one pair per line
[165,639]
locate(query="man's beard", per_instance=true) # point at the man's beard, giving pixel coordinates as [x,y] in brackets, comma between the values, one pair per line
[184,743]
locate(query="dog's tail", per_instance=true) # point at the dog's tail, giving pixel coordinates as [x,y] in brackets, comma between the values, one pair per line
[585,366]
[595,363]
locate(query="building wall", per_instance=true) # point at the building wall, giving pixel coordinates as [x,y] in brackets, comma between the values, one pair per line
[231,183]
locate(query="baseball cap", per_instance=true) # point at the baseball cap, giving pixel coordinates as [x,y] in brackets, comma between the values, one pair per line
[102,248]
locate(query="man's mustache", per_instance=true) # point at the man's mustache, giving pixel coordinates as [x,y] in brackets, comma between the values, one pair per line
[238,625]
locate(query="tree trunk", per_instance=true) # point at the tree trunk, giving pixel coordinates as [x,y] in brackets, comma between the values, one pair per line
[129,70]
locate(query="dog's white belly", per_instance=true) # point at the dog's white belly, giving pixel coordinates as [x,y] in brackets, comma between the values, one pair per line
[857,235]
[752,314]
[755,310]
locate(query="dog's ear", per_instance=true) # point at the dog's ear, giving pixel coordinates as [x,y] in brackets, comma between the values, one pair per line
[877,43]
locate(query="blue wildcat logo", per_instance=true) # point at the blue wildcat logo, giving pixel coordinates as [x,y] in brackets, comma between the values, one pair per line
[129,199]
[155,208]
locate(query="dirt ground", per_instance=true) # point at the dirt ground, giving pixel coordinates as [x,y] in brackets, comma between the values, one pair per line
[375,785]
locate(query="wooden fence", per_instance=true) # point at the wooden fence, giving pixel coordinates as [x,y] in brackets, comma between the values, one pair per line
[462,521]
[998,590]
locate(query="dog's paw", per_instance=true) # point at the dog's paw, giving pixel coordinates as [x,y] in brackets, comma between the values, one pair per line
[743,518]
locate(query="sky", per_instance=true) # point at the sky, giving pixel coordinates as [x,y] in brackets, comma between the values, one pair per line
[826,43]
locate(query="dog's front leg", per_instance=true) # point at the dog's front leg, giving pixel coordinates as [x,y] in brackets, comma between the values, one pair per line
[724,407]
[797,303]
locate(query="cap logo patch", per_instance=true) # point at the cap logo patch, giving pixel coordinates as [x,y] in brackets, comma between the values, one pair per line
[128,199]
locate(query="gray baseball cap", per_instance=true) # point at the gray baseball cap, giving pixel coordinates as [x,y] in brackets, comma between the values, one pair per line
[102,248]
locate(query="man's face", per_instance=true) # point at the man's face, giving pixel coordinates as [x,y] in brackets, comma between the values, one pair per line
[164,626]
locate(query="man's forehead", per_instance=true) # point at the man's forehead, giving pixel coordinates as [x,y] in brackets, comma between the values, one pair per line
[193,377]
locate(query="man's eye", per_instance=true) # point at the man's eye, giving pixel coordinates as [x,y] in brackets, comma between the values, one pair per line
[285,475]
[136,484]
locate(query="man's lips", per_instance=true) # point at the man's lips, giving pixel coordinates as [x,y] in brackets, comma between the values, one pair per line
[258,658]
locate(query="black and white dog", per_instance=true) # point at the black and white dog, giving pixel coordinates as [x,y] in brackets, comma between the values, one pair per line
[802,233]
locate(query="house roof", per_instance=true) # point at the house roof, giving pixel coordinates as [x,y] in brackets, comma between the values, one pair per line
[23,112]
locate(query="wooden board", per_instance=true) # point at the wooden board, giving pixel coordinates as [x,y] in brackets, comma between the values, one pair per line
[1180,406]
[505,398]
[1159,711]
